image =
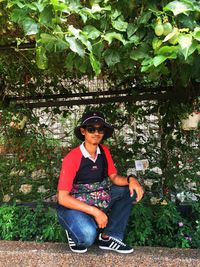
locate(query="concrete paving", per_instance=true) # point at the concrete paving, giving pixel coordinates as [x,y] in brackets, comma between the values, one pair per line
[31,254]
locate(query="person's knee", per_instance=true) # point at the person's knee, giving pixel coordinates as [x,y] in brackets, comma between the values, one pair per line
[88,236]
[120,191]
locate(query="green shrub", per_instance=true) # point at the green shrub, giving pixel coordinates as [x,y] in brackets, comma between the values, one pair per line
[163,225]
[149,225]
[28,224]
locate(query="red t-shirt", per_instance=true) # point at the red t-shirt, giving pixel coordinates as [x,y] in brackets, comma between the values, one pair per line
[71,164]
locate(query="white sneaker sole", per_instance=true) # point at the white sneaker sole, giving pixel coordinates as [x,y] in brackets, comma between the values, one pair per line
[118,251]
[78,251]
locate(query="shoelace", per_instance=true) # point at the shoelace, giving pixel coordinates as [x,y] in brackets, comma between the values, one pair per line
[118,241]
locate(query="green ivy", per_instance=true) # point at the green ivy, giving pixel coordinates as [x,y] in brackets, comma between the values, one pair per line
[126,33]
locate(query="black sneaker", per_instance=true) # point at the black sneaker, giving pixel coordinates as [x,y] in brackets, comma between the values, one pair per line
[73,246]
[114,244]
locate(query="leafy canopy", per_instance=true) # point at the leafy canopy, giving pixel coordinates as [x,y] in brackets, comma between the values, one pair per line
[131,40]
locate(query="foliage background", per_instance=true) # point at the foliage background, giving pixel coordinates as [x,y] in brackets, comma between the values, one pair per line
[171,182]
[50,47]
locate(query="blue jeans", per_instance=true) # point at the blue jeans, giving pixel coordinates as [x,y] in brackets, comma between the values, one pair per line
[83,228]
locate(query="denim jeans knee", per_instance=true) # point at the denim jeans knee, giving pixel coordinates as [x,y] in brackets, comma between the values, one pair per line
[88,236]
[81,226]
[119,192]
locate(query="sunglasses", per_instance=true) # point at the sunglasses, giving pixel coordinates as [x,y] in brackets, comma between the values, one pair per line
[92,129]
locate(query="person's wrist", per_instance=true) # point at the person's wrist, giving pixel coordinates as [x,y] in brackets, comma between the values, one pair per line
[93,210]
[129,178]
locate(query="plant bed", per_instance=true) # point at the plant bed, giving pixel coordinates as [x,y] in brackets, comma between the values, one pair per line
[164,224]
[149,225]
[30,222]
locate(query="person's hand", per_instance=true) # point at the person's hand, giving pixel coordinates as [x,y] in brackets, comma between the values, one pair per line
[134,185]
[100,217]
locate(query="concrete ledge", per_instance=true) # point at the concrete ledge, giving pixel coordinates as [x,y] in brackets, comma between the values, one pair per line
[31,254]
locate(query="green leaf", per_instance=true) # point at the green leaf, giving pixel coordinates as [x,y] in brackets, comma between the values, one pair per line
[31,7]
[78,34]
[178,7]
[85,42]
[146,68]
[58,32]
[167,50]
[147,64]
[83,16]
[159,60]
[134,39]
[53,43]
[64,8]
[19,4]
[69,61]
[147,61]
[187,52]
[91,32]
[196,33]
[187,21]
[30,26]
[96,8]
[119,25]
[18,15]
[73,31]
[97,49]
[54,2]
[137,54]
[140,52]
[80,64]
[144,18]
[114,35]
[115,14]
[185,42]
[46,16]
[40,6]
[74,5]
[96,66]
[60,6]
[111,57]
[86,13]
[131,29]
[75,46]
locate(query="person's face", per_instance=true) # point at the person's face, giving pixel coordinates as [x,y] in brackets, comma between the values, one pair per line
[93,133]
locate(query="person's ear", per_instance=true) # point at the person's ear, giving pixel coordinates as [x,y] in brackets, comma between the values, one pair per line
[82,131]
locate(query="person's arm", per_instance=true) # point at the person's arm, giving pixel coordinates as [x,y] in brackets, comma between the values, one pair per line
[68,201]
[133,184]
[120,180]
